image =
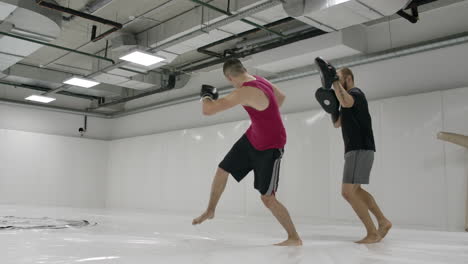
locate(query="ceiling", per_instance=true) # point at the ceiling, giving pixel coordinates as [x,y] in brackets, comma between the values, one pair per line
[154,23]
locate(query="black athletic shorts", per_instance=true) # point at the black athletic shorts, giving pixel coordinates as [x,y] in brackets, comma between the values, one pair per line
[243,158]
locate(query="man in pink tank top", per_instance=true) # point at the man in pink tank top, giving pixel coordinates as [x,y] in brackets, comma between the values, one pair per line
[259,150]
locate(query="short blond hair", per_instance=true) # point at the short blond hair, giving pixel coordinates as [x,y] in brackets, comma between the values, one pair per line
[345,72]
[233,67]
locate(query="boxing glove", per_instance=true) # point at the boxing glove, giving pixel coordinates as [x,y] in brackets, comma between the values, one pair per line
[209,92]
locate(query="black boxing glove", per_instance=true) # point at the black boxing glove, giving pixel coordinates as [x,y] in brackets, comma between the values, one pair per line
[208,92]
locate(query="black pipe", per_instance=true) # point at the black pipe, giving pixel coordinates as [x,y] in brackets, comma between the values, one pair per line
[45,89]
[82,96]
[93,32]
[115,26]
[107,48]
[295,37]
[105,34]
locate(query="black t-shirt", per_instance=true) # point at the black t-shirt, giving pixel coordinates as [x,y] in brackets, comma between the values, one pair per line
[356,124]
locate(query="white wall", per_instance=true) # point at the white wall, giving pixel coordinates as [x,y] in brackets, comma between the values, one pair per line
[417,179]
[44,162]
[455,111]
[40,169]
[51,122]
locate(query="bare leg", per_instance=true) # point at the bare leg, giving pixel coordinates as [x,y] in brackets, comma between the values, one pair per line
[362,210]
[283,217]
[384,223]
[217,188]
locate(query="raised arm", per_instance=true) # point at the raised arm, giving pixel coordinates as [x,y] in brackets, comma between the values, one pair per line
[212,105]
[336,121]
[346,100]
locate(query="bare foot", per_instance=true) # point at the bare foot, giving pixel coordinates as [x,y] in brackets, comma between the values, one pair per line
[205,216]
[370,239]
[290,242]
[384,227]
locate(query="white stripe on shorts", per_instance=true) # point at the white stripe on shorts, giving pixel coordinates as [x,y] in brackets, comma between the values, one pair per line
[275,175]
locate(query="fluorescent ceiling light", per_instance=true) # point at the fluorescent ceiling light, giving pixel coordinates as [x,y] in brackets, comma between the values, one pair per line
[142,58]
[39,98]
[81,82]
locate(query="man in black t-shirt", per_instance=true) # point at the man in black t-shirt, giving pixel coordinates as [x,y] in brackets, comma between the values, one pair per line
[356,126]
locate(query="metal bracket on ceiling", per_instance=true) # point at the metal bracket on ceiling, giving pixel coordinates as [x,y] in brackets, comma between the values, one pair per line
[413,17]
[115,26]
[413,6]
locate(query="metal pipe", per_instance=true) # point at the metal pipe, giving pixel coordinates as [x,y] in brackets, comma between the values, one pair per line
[311,71]
[57,47]
[205,50]
[257,41]
[212,7]
[380,56]
[45,89]
[52,108]
[246,33]
[223,22]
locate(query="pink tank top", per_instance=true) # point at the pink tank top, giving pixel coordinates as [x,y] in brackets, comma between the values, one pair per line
[267,130]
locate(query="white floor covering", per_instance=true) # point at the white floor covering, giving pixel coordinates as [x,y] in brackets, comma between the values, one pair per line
[143,238]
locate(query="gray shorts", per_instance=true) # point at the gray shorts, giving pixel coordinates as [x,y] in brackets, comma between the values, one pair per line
[358,165]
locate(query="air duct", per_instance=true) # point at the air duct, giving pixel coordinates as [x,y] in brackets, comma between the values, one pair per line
[25,19]
[311,70]
[333,15]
